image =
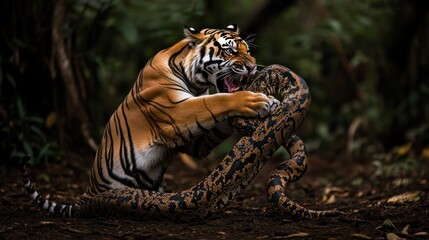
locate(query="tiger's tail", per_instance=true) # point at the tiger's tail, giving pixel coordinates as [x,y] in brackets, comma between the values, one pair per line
[65,210]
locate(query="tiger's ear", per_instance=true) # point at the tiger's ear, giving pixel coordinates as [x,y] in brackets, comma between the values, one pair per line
[233,28]
[195,36]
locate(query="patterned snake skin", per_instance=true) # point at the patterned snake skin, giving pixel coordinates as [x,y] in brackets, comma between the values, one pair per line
[262,138]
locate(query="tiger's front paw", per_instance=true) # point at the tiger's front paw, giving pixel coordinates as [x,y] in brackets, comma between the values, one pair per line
[250,104]
[274,103]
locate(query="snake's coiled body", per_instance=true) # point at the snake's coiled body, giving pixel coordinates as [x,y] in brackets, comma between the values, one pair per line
[236,170]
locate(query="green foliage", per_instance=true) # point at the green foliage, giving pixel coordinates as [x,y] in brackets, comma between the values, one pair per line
[406,160]
[22,134]
[363,30]
[344,49]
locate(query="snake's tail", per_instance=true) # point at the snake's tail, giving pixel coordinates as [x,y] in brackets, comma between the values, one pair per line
[286,207]
[65,210]
[290,171]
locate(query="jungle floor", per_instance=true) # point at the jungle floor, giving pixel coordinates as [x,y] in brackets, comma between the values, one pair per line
[379,203]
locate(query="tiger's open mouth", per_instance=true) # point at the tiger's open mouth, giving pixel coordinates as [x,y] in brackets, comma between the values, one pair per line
[233,83]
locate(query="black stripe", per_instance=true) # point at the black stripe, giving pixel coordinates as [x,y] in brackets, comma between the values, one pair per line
[219,134]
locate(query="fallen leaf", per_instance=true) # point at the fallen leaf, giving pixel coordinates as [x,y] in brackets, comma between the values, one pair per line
[425,152]
[405,197]
[168,176]
[405,229]
[357,182]
[404,149]
[360,194]
[421,234]
[331,199]
[334,190]
[401,182]
[188,161]
[75,230]
[359,235]
[331,193]
[388,226]
[46,222]
[324,198]
[297,235]
[74,186]
[392,236]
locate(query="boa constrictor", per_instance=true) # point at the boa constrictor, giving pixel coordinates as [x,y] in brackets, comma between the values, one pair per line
[262,137]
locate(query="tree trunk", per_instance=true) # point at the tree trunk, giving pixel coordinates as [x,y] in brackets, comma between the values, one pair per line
[64,64]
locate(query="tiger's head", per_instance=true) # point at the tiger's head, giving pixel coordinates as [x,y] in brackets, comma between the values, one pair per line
[218,57]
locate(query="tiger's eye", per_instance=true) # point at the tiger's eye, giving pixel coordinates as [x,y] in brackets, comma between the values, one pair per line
[229,51]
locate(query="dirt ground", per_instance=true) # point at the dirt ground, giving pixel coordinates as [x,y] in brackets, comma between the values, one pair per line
[376,207]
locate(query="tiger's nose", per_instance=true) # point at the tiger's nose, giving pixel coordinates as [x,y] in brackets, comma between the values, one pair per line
[250,68]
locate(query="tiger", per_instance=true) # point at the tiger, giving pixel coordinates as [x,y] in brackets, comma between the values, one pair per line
[169,111]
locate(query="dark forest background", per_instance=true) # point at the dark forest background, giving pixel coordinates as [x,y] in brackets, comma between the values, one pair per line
[66,65]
